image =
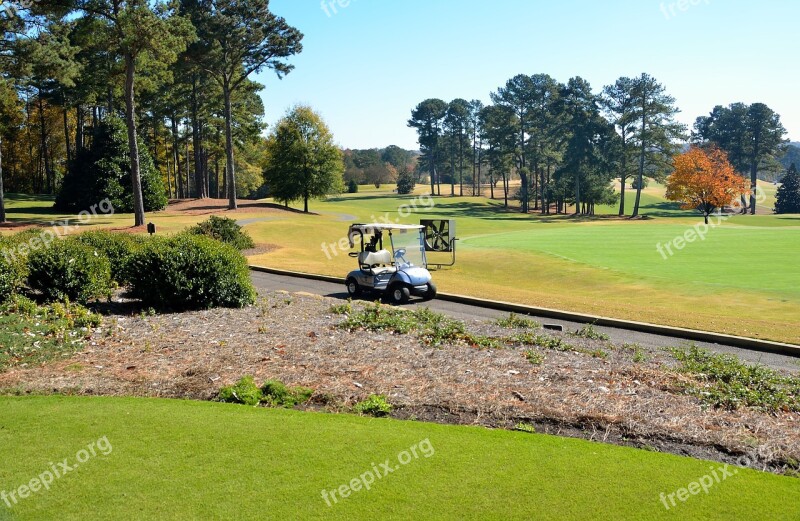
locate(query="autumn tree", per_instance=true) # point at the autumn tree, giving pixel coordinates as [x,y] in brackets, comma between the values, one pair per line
[704,179]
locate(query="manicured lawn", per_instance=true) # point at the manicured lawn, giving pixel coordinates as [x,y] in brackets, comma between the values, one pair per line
[194,460]
[742,279]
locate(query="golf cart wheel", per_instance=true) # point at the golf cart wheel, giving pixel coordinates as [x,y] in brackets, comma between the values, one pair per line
[399,294]
[430,293]
[353,289]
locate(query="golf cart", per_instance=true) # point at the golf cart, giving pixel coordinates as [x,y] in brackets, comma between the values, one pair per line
[391,261]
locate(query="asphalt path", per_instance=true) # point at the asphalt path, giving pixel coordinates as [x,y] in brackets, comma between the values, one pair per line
[266,282]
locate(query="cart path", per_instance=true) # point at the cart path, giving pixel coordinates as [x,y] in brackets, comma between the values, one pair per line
[266,282]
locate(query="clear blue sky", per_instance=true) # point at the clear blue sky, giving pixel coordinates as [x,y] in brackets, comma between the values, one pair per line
[366,65]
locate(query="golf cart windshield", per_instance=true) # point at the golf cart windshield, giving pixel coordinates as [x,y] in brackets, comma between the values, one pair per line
[408,248]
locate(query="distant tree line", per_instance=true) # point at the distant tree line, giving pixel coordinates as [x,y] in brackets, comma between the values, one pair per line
[566,143]
[378,166]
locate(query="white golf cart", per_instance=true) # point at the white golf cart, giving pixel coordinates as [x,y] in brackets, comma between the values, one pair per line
[391,262]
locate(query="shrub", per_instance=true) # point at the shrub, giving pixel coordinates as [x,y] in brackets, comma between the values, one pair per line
[117,247]
[276,394]
[13,269]
[352,187]
[514,321]
[189,272]
[225,230]
[406,181]
[69,269]
[245,391]
[375,405]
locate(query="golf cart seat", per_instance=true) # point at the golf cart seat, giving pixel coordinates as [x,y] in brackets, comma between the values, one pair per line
[376,262]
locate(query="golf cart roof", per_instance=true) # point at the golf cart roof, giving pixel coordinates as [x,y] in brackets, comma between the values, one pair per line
[375,227]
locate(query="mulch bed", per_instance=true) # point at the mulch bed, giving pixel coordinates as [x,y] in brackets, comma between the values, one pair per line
[294,338]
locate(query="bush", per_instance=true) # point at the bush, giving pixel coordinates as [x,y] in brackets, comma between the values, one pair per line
[352,187]
[69,269]
[189,272]
[13,269]
[117,247]
[225,230]
[245,391]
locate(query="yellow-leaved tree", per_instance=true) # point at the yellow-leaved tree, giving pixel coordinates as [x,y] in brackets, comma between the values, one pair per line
[704,179]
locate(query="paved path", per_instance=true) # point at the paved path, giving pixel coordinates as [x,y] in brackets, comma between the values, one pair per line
[270,282]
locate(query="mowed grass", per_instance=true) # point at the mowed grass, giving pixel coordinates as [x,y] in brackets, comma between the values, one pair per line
[196,460]
[742,278]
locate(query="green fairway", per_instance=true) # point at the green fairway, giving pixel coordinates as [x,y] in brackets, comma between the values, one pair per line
[742,278]
[163,459]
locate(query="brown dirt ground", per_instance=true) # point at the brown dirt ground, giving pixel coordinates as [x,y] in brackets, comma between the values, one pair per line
[295,338]
[216,206]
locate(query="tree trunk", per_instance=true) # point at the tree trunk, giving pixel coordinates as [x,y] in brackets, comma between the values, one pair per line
[623,174]
[305,203]
[202,190]
[66,135]
[2,193]
[754,174]
[642,153]
[176,159]
[48,172]
[130,119]
[433,170]
[79,129]
[229,171]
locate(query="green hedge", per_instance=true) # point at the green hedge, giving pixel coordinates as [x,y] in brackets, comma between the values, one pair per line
[189,272]
[225,230]
[69,269]
[13,268]
[117,247]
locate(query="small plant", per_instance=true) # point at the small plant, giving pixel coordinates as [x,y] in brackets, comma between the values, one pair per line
[534,357]
[525,427]
[352,187]
[33,334]
[374,405]
[245,391]
[224,229]
[342,309]
[725,381]
[276,394]
[513,321]
[588,331]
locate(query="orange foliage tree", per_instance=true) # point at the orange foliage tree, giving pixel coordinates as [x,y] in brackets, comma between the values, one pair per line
[704,179]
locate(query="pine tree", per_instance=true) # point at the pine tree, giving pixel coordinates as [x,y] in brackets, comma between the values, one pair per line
[788,196]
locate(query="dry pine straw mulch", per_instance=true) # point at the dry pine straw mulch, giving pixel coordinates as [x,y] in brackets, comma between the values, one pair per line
[294,338]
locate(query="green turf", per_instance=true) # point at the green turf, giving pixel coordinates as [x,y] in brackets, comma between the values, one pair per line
[194,460]
[742,279]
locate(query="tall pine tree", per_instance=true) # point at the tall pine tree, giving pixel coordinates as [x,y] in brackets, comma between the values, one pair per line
[788,196]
